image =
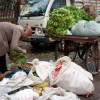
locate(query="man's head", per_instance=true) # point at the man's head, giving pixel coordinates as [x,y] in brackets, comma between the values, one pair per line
[27,31]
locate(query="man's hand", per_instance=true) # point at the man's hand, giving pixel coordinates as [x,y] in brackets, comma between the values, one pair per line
[24,51]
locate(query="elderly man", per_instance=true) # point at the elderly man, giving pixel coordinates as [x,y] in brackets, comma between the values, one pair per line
[9,38]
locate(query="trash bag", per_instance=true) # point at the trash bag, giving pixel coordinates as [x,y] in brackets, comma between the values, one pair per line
[71,77]
[23,93]
[40,71]
[17,80]
[78,28]
[58,93]
[86,28]
[21,78]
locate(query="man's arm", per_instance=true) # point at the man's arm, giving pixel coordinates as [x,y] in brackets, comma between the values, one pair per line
[15,39]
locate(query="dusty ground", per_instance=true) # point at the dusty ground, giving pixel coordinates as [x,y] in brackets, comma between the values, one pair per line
[46,53]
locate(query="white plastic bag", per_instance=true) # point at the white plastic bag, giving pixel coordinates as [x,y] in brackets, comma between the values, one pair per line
[19,78]
[92,28]
[72,77]
[3,98]
[86,28]
[57,94]
[42,69]
[25,94]
[78,28]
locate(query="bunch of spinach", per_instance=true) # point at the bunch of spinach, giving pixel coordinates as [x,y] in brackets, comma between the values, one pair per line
[62,19]
[17,58]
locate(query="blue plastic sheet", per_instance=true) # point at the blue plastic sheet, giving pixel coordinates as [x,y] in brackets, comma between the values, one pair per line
[26,70]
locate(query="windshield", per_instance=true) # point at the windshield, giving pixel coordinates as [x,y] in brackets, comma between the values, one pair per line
[34,8]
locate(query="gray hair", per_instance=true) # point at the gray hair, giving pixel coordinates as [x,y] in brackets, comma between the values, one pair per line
[27,28]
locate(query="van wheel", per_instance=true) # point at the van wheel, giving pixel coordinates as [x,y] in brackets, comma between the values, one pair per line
[35,45]
[61,45]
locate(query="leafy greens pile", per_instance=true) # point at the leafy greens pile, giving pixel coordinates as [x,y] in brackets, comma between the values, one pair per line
[62,19]
[17,58]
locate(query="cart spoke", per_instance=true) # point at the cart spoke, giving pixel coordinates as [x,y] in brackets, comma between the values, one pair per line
[90,60]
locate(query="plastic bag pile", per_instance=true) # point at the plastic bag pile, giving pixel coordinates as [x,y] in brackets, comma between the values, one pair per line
[39,82]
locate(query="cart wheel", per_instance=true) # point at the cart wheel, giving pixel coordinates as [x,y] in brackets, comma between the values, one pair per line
[81,51]
[92,61]
[58,53]
[72,55]
[70,49]
[61,46]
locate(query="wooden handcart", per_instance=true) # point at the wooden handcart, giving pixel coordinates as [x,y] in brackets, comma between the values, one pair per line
[87,48]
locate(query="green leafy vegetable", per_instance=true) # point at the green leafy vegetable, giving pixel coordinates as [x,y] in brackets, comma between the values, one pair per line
[35,74]
[17,58]
[62,19]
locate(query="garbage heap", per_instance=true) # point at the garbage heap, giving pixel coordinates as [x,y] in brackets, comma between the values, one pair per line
[43,80]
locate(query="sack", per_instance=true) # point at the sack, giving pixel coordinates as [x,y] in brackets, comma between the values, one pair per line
[41,69]
[9,84]
[57,94]
[86,28]
[23,94]
[78,28]
[72,77]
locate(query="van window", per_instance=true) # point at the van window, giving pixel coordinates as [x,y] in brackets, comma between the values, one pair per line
[34,8]
[58,4]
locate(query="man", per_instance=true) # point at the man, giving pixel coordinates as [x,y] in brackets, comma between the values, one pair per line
[9,38]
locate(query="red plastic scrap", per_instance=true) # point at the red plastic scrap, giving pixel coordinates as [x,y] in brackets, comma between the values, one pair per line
[57,69]
[88,94]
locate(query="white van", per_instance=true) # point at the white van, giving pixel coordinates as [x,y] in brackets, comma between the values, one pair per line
[36,13]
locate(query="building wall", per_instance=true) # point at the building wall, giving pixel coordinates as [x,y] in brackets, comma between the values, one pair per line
[79,3]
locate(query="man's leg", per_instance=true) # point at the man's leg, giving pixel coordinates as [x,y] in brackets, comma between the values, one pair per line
[3,67]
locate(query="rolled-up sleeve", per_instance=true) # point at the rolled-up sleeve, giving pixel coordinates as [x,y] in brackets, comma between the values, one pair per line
[15,39]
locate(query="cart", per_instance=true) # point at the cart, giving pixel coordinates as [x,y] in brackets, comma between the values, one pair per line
[86,47]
